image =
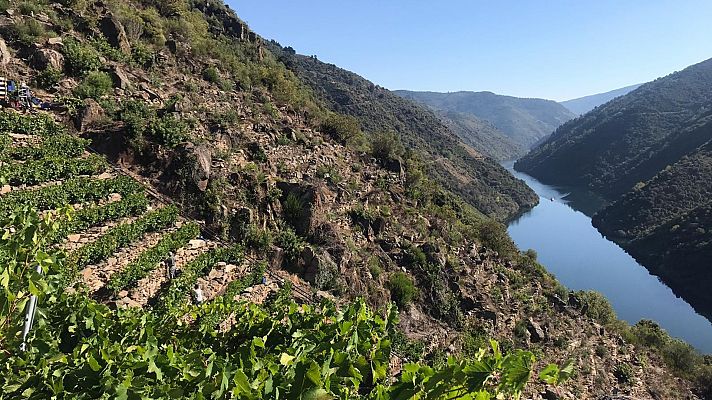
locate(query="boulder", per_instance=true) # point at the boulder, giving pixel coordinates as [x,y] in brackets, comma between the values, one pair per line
[536,333]
[119,78]
[395,165]
[90,115]
[54,41]
[299,215]
[42,59]
[5,55]
[201,171]
[115,34]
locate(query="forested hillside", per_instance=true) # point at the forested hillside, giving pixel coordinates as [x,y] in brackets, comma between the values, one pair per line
[667,224]
[648,153]
[585,104]
[482,135]
[195,221]
[524,121]
[629,139]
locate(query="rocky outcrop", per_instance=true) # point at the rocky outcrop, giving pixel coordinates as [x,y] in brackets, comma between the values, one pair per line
[5,56]
[119,78]
[201,167]
[114,32]
[298,202]
[91,114]
[44,58]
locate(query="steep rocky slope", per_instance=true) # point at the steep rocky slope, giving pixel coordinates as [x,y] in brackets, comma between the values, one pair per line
[456,165]
[197,109]
[582,105]
[524,121]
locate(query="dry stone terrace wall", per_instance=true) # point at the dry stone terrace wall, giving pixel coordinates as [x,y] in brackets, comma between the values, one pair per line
[96,276]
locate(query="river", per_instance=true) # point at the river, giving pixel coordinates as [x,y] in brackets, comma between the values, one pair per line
[581,258]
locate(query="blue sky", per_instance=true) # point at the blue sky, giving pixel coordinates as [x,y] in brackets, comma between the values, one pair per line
[556,49]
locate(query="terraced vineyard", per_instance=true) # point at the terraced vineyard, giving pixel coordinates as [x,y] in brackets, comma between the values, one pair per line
[112,325]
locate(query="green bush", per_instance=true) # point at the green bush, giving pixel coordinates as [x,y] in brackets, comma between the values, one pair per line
[402,288]
[342,128]
[649,333]
[293,208]
[80,59]
[681,356]
[494,236]
[385,146]
[211,75]
[95,85]
[28,31]
[142,55]
[168,130]
[48,78]
[624,373]
[596,306]
[291,243]
[29,8]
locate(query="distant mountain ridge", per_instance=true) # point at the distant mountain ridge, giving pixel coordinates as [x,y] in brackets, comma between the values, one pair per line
[585,104]
[649,153]
[524,121]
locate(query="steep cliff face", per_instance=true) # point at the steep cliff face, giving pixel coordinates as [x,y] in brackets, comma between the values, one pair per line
[457,166]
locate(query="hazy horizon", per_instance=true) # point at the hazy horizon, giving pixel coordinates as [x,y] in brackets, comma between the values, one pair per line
[558,50]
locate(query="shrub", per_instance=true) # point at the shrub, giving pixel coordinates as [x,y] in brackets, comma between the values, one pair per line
[28,31]
[402,288]
[374,266]
[624,373]
[48,78]
[385,146]
[29,8]
[95,85]
[291,244]
[142,55]
[473,340]
[293,208]
[80,59]
[596,306]
[211,75]
[649,333]
[342,128]
[168,130]
[494,235]
[680,356]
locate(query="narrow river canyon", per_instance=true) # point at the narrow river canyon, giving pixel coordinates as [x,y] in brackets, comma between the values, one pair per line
[582,259]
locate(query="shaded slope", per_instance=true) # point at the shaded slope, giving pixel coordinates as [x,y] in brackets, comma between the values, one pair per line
[666,224]
[525,121]
[582,105]
[482,135]
[628,139]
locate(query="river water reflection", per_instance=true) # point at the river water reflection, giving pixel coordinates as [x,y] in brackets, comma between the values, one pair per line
[581,258]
